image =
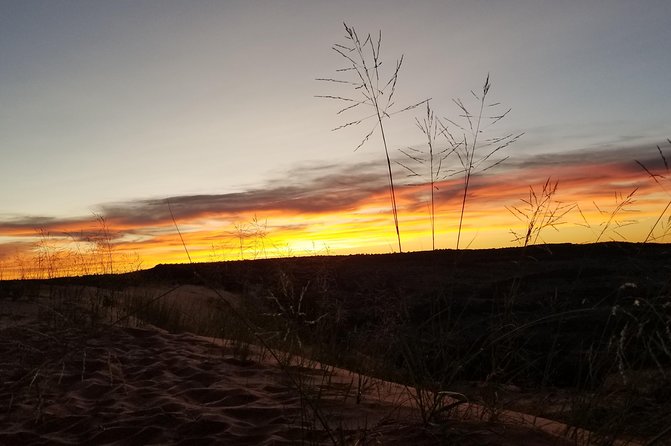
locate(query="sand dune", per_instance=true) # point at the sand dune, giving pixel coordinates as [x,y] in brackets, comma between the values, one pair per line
[117,385]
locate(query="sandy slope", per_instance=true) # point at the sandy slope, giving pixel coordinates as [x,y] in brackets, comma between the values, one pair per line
[145,386]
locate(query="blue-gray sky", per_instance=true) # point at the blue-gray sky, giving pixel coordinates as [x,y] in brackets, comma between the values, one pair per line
[114,101]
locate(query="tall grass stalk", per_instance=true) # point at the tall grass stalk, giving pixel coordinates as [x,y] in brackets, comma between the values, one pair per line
[370,92]
[432,159]
[475,155]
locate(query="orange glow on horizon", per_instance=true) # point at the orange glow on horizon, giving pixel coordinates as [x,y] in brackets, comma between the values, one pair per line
[594,194]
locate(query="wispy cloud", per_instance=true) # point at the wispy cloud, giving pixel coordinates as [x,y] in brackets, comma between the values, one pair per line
[624,156]
[350,201]
[321,189]
[314,190]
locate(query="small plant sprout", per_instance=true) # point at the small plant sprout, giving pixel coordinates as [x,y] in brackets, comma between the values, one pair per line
[430,161]
[538,212]
[373,95]
[476,154]
[664,182]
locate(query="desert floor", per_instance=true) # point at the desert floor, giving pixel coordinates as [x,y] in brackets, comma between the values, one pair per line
[78,367]
[123,385]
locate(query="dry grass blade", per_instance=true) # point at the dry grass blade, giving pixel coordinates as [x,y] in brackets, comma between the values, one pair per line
[413,157]
[408,108]
[650,237]
[365,138]
[666,164]
[654,176]
[178,231]
[540,211]
[339,98]
[621,205]
[663,182]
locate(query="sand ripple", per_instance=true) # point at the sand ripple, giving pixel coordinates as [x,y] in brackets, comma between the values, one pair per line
[129,386]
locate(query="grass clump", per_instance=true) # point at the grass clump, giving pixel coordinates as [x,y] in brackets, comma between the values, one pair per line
[539,211]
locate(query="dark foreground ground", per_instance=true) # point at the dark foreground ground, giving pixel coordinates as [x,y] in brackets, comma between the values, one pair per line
[577,333]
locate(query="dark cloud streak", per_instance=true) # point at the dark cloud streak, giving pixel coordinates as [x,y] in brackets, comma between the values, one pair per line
[319,188]
[337,189]
[304,190]
[624,156]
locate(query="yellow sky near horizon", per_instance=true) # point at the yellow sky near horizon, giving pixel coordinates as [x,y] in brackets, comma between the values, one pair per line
[591,210]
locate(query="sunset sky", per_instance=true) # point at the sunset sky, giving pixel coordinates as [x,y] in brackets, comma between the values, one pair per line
[133,110]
